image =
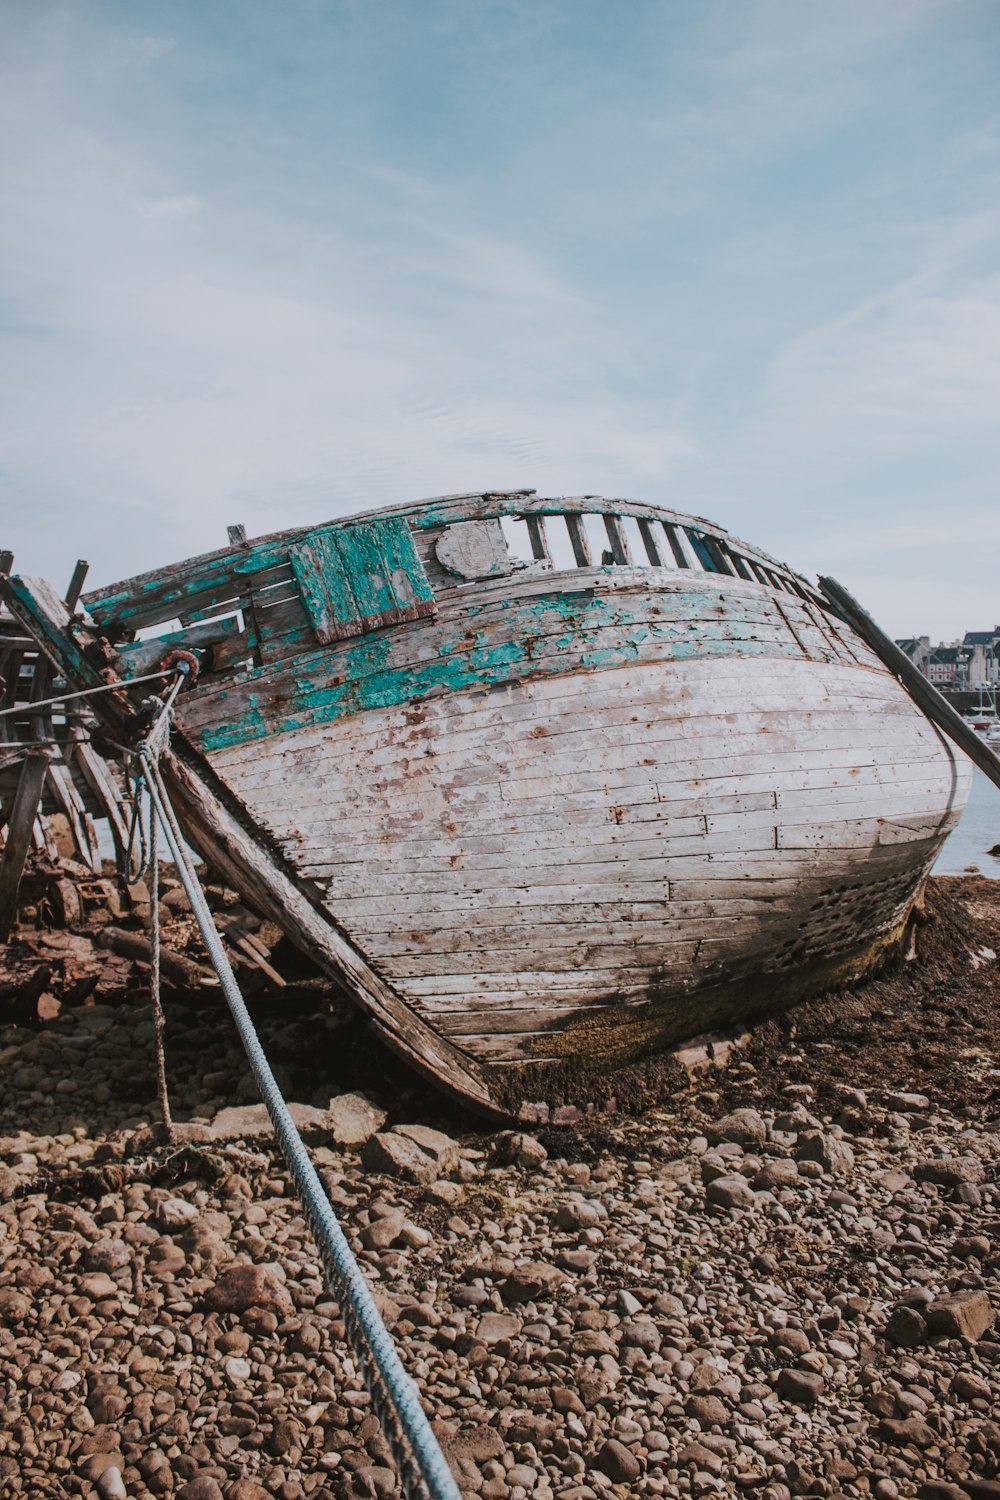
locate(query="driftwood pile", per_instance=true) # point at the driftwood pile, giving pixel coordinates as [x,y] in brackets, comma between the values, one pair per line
[81,937]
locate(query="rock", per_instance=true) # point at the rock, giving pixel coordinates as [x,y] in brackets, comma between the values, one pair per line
[374,1479]
[744,1126]
[479,1444]
[246,1489]
[832,1155]
[107,1255]
[968,1386]
[800,1386]
[493,1327]
[201,1487]
[906,1327]
[243,1286]
[111,1485]
[776,1174]
[580,1213]
[175,1213]
[97,1285]
[951,1171]
[702,1458]
[593,1341]
[971,1246]
[14,1305]
[641,1333]
[710,1411]
[907,1104]
[730,1192]
[443,1151]
[515,1148]
[383,1232]
[965,1315]
[241,1122]
[397,1155]
[352,1119]
[618,1463]
[910,1430]
[536,1279]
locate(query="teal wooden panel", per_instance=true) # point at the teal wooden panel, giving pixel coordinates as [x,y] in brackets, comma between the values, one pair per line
[358,578]
[326,593]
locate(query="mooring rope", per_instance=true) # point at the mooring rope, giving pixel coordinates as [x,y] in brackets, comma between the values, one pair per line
[422,1467]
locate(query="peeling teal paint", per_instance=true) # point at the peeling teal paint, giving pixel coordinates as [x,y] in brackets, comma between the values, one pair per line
[539,637]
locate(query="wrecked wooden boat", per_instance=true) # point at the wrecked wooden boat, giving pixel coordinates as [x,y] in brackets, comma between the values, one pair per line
[548,785]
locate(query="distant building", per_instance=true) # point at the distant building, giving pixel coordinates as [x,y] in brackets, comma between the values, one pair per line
[947,667]
[983,647]
[918,649]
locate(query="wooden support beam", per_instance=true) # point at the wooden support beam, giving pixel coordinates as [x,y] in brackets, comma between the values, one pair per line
[18,842]
[926,697]
[76,584]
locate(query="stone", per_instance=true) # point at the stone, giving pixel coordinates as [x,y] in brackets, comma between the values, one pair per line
[243,1286]
[111,1485]
[396,1155]
[175,1213]
[968,1386]
[710,1411]
[580,1213]
[383,1232]
[906,1431]
[14,1305]
[352,1119]
[241,1122]
[247,1489]
[479,1443]
[951,1171]
[107,1255]
[536,1279]
[517,1149]
[97,1285]
[744,1126]
[971,1246]
[906,1327]
[493,1327]
[833,1155]
[442,1149]
[702,1458]
[907,1104]
[731,1191]
[618,1462]
[964,1315]
[776,1174]
[800,1386]
[201,1487]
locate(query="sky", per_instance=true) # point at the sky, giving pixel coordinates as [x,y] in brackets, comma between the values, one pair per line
[274,264]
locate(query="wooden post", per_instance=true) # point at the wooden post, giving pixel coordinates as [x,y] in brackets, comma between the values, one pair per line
[22,819]
[76,584]
[926,697]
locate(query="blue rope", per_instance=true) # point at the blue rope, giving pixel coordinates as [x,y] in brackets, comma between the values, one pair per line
[422,1467]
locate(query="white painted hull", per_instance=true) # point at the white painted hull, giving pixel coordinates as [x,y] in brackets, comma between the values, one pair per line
[535,857]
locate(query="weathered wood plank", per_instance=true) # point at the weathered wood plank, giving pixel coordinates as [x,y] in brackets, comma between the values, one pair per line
[20,822]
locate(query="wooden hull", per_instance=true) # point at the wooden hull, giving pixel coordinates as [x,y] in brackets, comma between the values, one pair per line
[565,854]
[544,823]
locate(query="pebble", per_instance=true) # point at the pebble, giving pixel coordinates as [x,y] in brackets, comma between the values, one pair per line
[702,1300]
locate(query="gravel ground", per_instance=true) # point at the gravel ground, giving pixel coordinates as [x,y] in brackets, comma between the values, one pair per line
[780,1279]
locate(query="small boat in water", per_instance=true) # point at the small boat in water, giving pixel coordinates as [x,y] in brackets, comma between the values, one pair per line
[548,784]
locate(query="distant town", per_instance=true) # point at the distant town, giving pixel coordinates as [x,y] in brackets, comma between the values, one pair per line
[960,666]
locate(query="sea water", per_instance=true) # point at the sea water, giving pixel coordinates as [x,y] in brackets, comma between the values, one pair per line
[967,848]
